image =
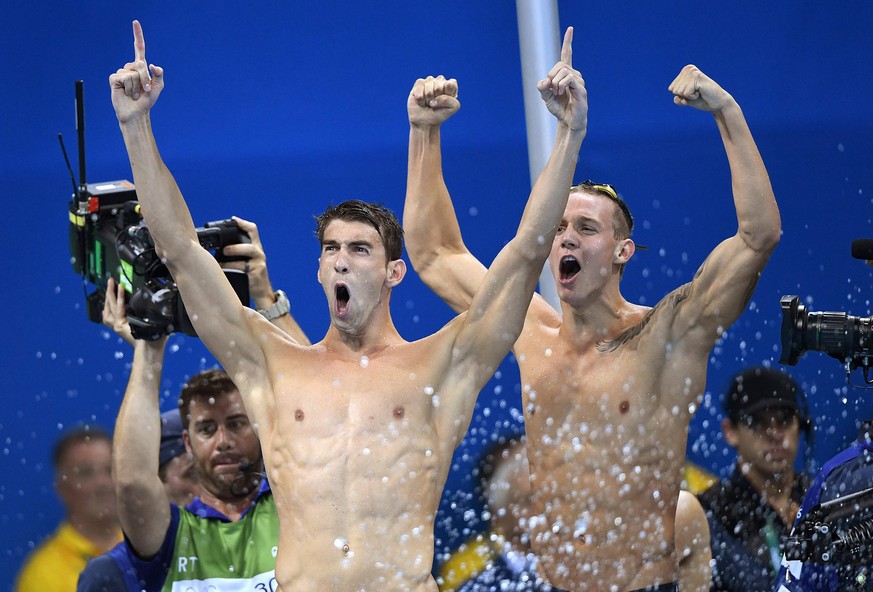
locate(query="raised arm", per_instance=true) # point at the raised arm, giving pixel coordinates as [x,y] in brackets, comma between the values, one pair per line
[143,506]
[433,237]
[260,287]
[499,306]
[723,285]
[217,314]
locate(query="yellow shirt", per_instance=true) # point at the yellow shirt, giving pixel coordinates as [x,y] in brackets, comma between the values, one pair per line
[467,561]
[54,566]
[696,479]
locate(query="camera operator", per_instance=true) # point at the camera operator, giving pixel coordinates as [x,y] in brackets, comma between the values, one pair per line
[751,511]
[231,491]
[847,473]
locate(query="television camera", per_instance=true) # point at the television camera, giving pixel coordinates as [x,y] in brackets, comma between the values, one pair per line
[108,238]
[837,532]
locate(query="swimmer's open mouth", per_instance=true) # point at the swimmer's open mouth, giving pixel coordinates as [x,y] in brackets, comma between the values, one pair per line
[569,267]
[342,298]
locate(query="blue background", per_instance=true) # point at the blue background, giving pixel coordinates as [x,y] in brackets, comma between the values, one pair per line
[274,109]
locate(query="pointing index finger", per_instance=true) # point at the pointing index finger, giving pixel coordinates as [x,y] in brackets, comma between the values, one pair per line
[138,43]
[567,48]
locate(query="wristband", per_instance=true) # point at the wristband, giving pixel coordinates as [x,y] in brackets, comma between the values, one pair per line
[280,308]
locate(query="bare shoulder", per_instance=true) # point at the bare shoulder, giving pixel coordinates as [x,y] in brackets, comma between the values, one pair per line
[674,361]
[541,314]
[267,335]
[689,509]
[644,321]
[438,345]
[541,326]
[691,524]
[279,356]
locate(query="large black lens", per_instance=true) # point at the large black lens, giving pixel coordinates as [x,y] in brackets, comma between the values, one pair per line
[838,334]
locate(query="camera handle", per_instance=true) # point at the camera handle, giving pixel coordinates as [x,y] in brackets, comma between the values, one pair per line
[865,371]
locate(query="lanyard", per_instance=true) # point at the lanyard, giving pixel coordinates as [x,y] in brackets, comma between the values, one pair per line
[771,536]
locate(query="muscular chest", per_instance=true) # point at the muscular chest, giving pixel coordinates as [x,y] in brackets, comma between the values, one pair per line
[360,396]
[588,393]
[365,414]
[361,419]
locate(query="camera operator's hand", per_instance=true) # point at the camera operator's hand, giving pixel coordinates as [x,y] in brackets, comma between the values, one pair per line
[114,313]
[115,316]
[260,287]
[136,86]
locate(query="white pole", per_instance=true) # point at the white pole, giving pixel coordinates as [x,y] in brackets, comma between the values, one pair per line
[539,42]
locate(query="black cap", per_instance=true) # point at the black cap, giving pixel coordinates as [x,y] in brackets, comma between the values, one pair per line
[172,444]
[758,388]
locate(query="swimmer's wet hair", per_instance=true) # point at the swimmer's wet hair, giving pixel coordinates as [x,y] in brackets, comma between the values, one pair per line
[376,215]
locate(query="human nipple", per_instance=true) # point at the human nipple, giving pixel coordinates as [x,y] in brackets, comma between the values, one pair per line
[340,543]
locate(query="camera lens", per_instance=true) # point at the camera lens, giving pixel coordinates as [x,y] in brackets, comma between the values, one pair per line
[838,334]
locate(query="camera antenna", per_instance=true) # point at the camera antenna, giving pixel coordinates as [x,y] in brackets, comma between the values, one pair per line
[80,129]
[69,166]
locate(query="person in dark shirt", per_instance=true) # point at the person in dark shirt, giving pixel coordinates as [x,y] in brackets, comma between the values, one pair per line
[751,512]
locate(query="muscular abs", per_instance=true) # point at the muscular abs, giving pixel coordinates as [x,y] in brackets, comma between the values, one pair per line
[606,447]
[357,470]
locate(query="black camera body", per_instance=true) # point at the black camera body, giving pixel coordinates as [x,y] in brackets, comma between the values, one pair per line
[838,532]
[109,238]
